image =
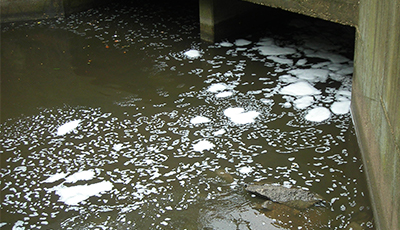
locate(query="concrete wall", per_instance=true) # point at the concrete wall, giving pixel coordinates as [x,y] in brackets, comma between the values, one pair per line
[23,10]
[376,105]
[340,11]
[217,18]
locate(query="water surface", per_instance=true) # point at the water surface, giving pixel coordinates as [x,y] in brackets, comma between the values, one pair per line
[121,118]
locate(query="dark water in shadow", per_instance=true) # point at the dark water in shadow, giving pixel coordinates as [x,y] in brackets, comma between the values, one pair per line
[121,118]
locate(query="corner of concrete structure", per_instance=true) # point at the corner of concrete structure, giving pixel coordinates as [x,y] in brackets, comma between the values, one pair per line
[375,105]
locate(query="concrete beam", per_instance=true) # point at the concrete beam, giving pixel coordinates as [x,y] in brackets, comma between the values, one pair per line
[376,105]
[339,11]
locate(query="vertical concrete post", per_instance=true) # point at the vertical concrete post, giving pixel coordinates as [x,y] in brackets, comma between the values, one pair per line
[376,105]
[220,18]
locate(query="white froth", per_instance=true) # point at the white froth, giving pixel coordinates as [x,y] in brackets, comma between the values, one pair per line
[239,116]
[192,54]
[55,177]
[117,147]
[75,194]
[224,94]
[68,127]
[275,50]
[303,102]
[288,78]
[340,107]
[245,170]
[242,42]
[19,225]
[203,145]
[217,87]
[81,175]
[318,114]
[219,132]
[199,120]
[226,44]
[300,88]
[312,75]
[279,60]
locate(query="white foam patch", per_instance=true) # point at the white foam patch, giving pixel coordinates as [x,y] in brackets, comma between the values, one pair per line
[218,87]
[203,145]
[81,175]
[245,170]
[19,225]
[303,102]
[192,54]
[341,107]
[55,177]
[219,132]
[279,60]
[312,75]
[288,78]
[239,116]
[242,42]
[300,88]
[318,114]
[68,127]
[75,194]
[226,44]
[275,50]
[199,120]
[224,94]
[117,147]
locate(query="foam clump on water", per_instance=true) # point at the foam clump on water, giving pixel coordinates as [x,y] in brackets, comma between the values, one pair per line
[203,145]
[75,194]
[242,42]
[81,175]
[192,54]
[239,116]
[68,127]
[199,120]
[340,107]
[218,87]
[224,94]
[318,114]
[300,88]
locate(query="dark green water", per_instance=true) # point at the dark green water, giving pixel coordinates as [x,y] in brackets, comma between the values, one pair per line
[121,118]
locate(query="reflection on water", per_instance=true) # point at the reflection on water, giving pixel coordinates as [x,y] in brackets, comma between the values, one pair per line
[120,118]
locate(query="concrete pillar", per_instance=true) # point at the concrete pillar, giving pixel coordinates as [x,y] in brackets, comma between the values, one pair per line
[376,105]
[220,18]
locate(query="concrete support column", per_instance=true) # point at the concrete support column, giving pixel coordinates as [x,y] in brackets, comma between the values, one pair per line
[219,18]
[376,105]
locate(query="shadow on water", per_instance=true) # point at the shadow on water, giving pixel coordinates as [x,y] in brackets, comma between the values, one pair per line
[121,118]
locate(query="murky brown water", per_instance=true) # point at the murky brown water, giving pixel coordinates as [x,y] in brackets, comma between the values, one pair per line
[121,118]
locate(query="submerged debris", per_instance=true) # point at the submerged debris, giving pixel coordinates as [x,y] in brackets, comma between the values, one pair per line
[292,197]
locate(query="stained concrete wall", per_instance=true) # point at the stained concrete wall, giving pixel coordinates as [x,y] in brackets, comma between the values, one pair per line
[23,10]
[376,105]
[339,11]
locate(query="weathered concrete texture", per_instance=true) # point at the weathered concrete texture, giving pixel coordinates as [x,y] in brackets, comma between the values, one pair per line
[376,106]
[221,17]
[23,10]
[339,11]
